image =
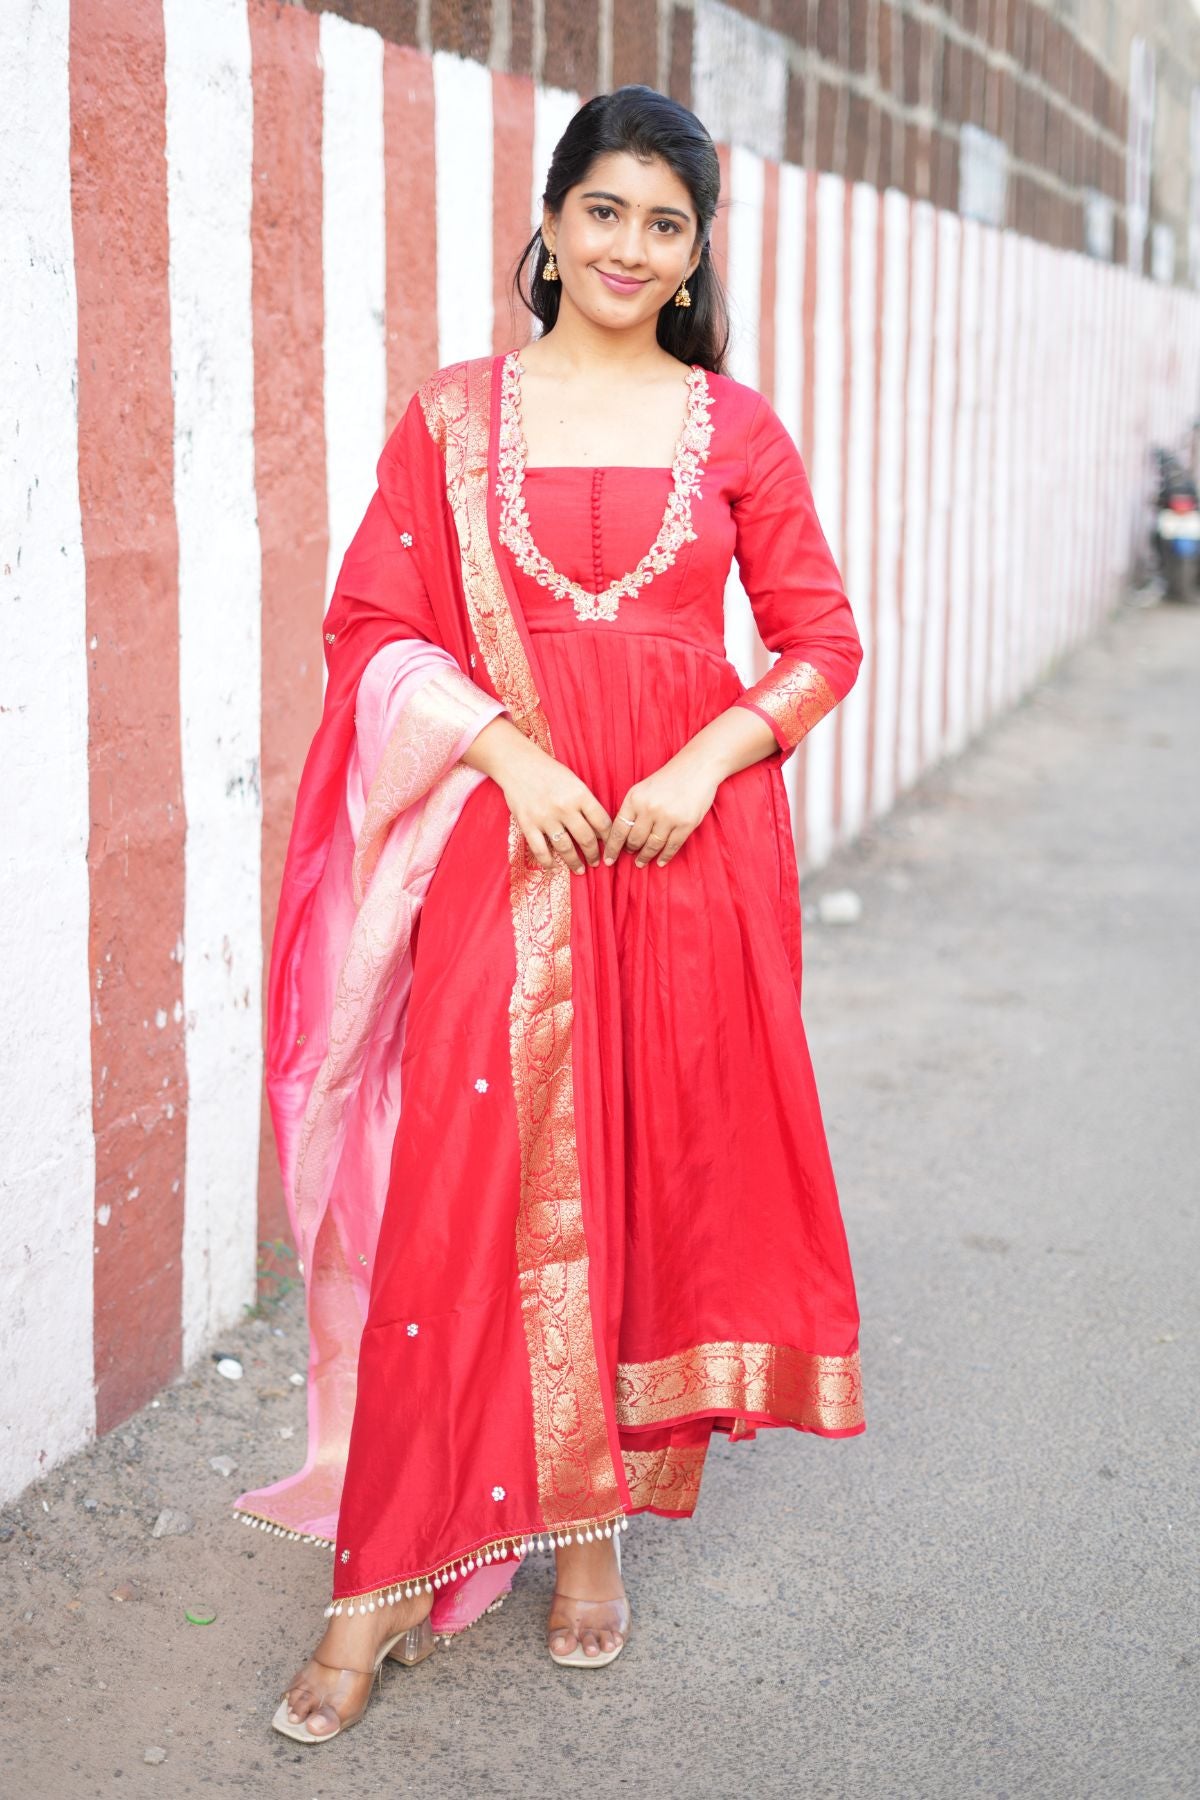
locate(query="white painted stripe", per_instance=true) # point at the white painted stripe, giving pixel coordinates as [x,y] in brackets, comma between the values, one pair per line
[829,358]
[894,329]
[1000,487]
[746,184]
[209,159]
[981,595]
[1022,476]
[553,110]
[961,597]
[857,567]
[353,235]
[945,375]
[791,235]
[48,1181]
[464,153]
[790,241]
[746,181]
[916,490]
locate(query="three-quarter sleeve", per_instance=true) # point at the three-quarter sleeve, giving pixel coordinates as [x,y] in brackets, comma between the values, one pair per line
[794,588]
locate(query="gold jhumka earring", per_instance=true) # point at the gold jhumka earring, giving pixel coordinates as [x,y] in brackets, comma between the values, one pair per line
[683,298]
[550,272]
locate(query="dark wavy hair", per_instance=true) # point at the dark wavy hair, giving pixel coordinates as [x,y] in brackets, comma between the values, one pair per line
[647,124]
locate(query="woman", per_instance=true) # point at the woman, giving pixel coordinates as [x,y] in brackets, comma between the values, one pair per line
[541,1087]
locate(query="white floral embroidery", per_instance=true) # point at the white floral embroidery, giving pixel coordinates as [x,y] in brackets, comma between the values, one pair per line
[481,1085]
[497,1493]
[412,1330]
[406,539]
[345,1556]
[691,453]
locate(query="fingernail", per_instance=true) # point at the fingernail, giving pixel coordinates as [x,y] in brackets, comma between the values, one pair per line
[610,859]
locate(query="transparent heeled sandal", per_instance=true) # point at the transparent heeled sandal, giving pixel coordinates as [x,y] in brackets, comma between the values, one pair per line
[591,1615]
[408,1647]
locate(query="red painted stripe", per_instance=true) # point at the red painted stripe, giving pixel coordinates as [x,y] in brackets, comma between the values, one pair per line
[512,188]
[131,558]
[719,235]
[871,673]
[770,256]
[922,622]
[807,440]
[808,410]
[411,187]
[289,444]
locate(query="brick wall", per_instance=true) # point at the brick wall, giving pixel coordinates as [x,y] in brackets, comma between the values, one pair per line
[875,90]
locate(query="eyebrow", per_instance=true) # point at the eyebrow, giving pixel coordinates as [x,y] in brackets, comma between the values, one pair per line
[599,194]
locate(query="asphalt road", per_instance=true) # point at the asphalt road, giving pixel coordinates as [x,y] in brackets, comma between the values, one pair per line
[994,1591]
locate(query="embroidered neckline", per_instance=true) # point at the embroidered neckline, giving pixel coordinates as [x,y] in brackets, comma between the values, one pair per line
[691,454]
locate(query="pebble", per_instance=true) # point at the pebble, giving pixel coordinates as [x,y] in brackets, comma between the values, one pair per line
[287,1431]
[124,1590]
[170,1523]
[229,1366]
[841,906]
[222,1465]
[155,1754]
[296,1379]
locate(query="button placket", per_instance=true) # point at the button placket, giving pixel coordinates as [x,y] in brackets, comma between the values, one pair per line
[597,539]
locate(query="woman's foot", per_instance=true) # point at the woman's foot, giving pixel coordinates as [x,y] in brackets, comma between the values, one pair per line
[332,1689]
[589,1611]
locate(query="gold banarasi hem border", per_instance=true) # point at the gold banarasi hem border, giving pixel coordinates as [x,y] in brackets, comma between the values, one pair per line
[816,1393]
[795,695]
[668,1479]
[573,1456]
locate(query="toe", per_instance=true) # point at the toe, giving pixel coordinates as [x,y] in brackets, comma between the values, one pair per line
[322,1720]
[562,1641]
[299,1704]
[590,1642]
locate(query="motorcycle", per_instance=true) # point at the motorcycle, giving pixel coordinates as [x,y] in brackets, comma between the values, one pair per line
[1175,535]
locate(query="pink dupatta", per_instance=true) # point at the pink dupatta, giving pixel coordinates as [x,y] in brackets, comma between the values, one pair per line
[382,789]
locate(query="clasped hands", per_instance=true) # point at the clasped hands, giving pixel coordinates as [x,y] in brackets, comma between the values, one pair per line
[656,816]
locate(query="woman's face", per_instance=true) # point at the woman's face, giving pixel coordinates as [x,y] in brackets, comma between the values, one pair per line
[624,240]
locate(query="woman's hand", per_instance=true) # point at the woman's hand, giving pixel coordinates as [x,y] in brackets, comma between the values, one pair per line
[665,808]
[556,810]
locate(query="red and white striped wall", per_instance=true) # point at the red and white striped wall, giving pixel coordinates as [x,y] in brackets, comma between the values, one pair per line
[237,236]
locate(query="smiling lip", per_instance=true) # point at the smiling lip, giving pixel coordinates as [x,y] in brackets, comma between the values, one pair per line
[620,284]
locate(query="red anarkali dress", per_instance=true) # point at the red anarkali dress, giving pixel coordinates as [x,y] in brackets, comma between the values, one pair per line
[565,1304]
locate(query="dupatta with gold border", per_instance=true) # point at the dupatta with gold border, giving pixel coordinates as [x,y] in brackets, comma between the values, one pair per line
[420,577]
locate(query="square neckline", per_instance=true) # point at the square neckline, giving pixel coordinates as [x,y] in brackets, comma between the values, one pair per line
[512,358]
[675,530]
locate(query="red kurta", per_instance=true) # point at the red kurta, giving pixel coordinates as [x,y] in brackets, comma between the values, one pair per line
[698,1266]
